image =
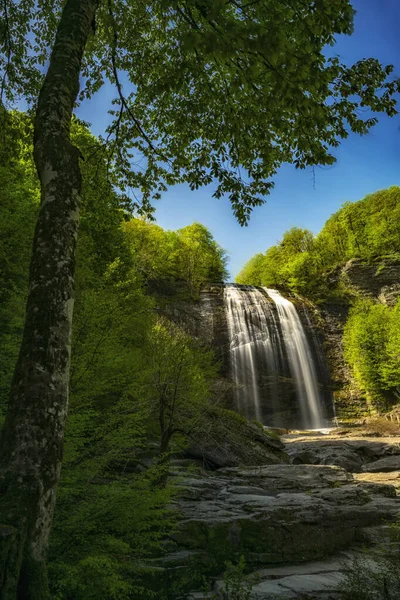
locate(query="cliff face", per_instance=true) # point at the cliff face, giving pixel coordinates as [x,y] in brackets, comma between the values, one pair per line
[278,391]
[348,398]
[206,319]
[379,281]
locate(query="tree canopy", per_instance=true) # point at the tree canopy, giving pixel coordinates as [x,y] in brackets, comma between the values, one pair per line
[190,255]
[209,90]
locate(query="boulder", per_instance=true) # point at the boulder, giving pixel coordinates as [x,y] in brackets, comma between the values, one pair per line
[225,439]
[353,455]
[383,465]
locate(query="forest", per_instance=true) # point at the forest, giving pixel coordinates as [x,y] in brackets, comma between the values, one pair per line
[367,229]
[101,381]
[129,364]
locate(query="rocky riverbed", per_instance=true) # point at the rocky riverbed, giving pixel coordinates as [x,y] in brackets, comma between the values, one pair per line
[297,523]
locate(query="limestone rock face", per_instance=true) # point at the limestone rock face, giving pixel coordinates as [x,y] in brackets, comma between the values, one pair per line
[331,317]
[205,319]
[380,279]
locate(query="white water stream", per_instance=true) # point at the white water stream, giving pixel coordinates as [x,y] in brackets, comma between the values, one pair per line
[300,360]
[263,339]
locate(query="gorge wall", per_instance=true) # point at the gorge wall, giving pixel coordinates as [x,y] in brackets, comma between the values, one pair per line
[379,281]
[271,358]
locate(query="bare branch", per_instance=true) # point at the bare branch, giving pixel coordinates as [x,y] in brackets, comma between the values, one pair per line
[118,84]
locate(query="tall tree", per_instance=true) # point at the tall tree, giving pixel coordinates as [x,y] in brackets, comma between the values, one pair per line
[32,437]
[217,91]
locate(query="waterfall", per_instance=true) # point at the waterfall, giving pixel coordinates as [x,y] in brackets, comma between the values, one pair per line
[271,362]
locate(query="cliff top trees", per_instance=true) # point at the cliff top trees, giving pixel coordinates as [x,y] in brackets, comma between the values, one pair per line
[365,229]
[205,90]
[190,255]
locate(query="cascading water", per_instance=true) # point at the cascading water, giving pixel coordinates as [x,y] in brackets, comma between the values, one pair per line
[252,343]
[300,360]
[271,361]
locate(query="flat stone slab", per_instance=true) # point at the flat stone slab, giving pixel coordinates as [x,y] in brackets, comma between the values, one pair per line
[391,478]
[319,585]
[383,465]
[317,580]
[354,455]
[278,513]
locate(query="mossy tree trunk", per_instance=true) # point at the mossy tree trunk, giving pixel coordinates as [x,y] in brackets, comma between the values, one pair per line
[32,439]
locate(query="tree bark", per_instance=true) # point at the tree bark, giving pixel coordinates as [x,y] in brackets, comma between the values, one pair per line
[31,445]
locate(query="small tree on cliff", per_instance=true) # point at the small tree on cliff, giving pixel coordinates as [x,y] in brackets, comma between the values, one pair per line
[218,91]
[178,383]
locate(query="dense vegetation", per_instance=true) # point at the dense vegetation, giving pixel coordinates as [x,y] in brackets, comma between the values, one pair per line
[371,343]
[300,262]
[138,381]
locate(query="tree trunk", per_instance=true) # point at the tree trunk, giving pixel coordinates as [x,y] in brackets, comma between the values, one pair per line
[164,457]
[32,439]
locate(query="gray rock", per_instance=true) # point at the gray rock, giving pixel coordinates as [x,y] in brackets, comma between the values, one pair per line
[351,455]
[383,465]
[277,513]
[378,279]
[391,478]
[225,440]
[317,580]
[316,585]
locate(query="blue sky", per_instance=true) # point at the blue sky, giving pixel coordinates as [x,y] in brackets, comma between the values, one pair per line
[364,164]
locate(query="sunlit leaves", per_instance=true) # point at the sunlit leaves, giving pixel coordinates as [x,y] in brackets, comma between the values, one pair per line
[371,341]
[214,92]
[366,229]
[190,255]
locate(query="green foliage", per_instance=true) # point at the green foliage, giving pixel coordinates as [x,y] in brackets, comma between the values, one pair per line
[111,513]
[215,91]
[300,262]
[189,255]
[177,382]
[236,585]
[371,347]
[19,200]
[108,522]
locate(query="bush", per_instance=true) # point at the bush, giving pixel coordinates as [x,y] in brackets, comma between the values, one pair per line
[235,584]
[371,341]
[376,574]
